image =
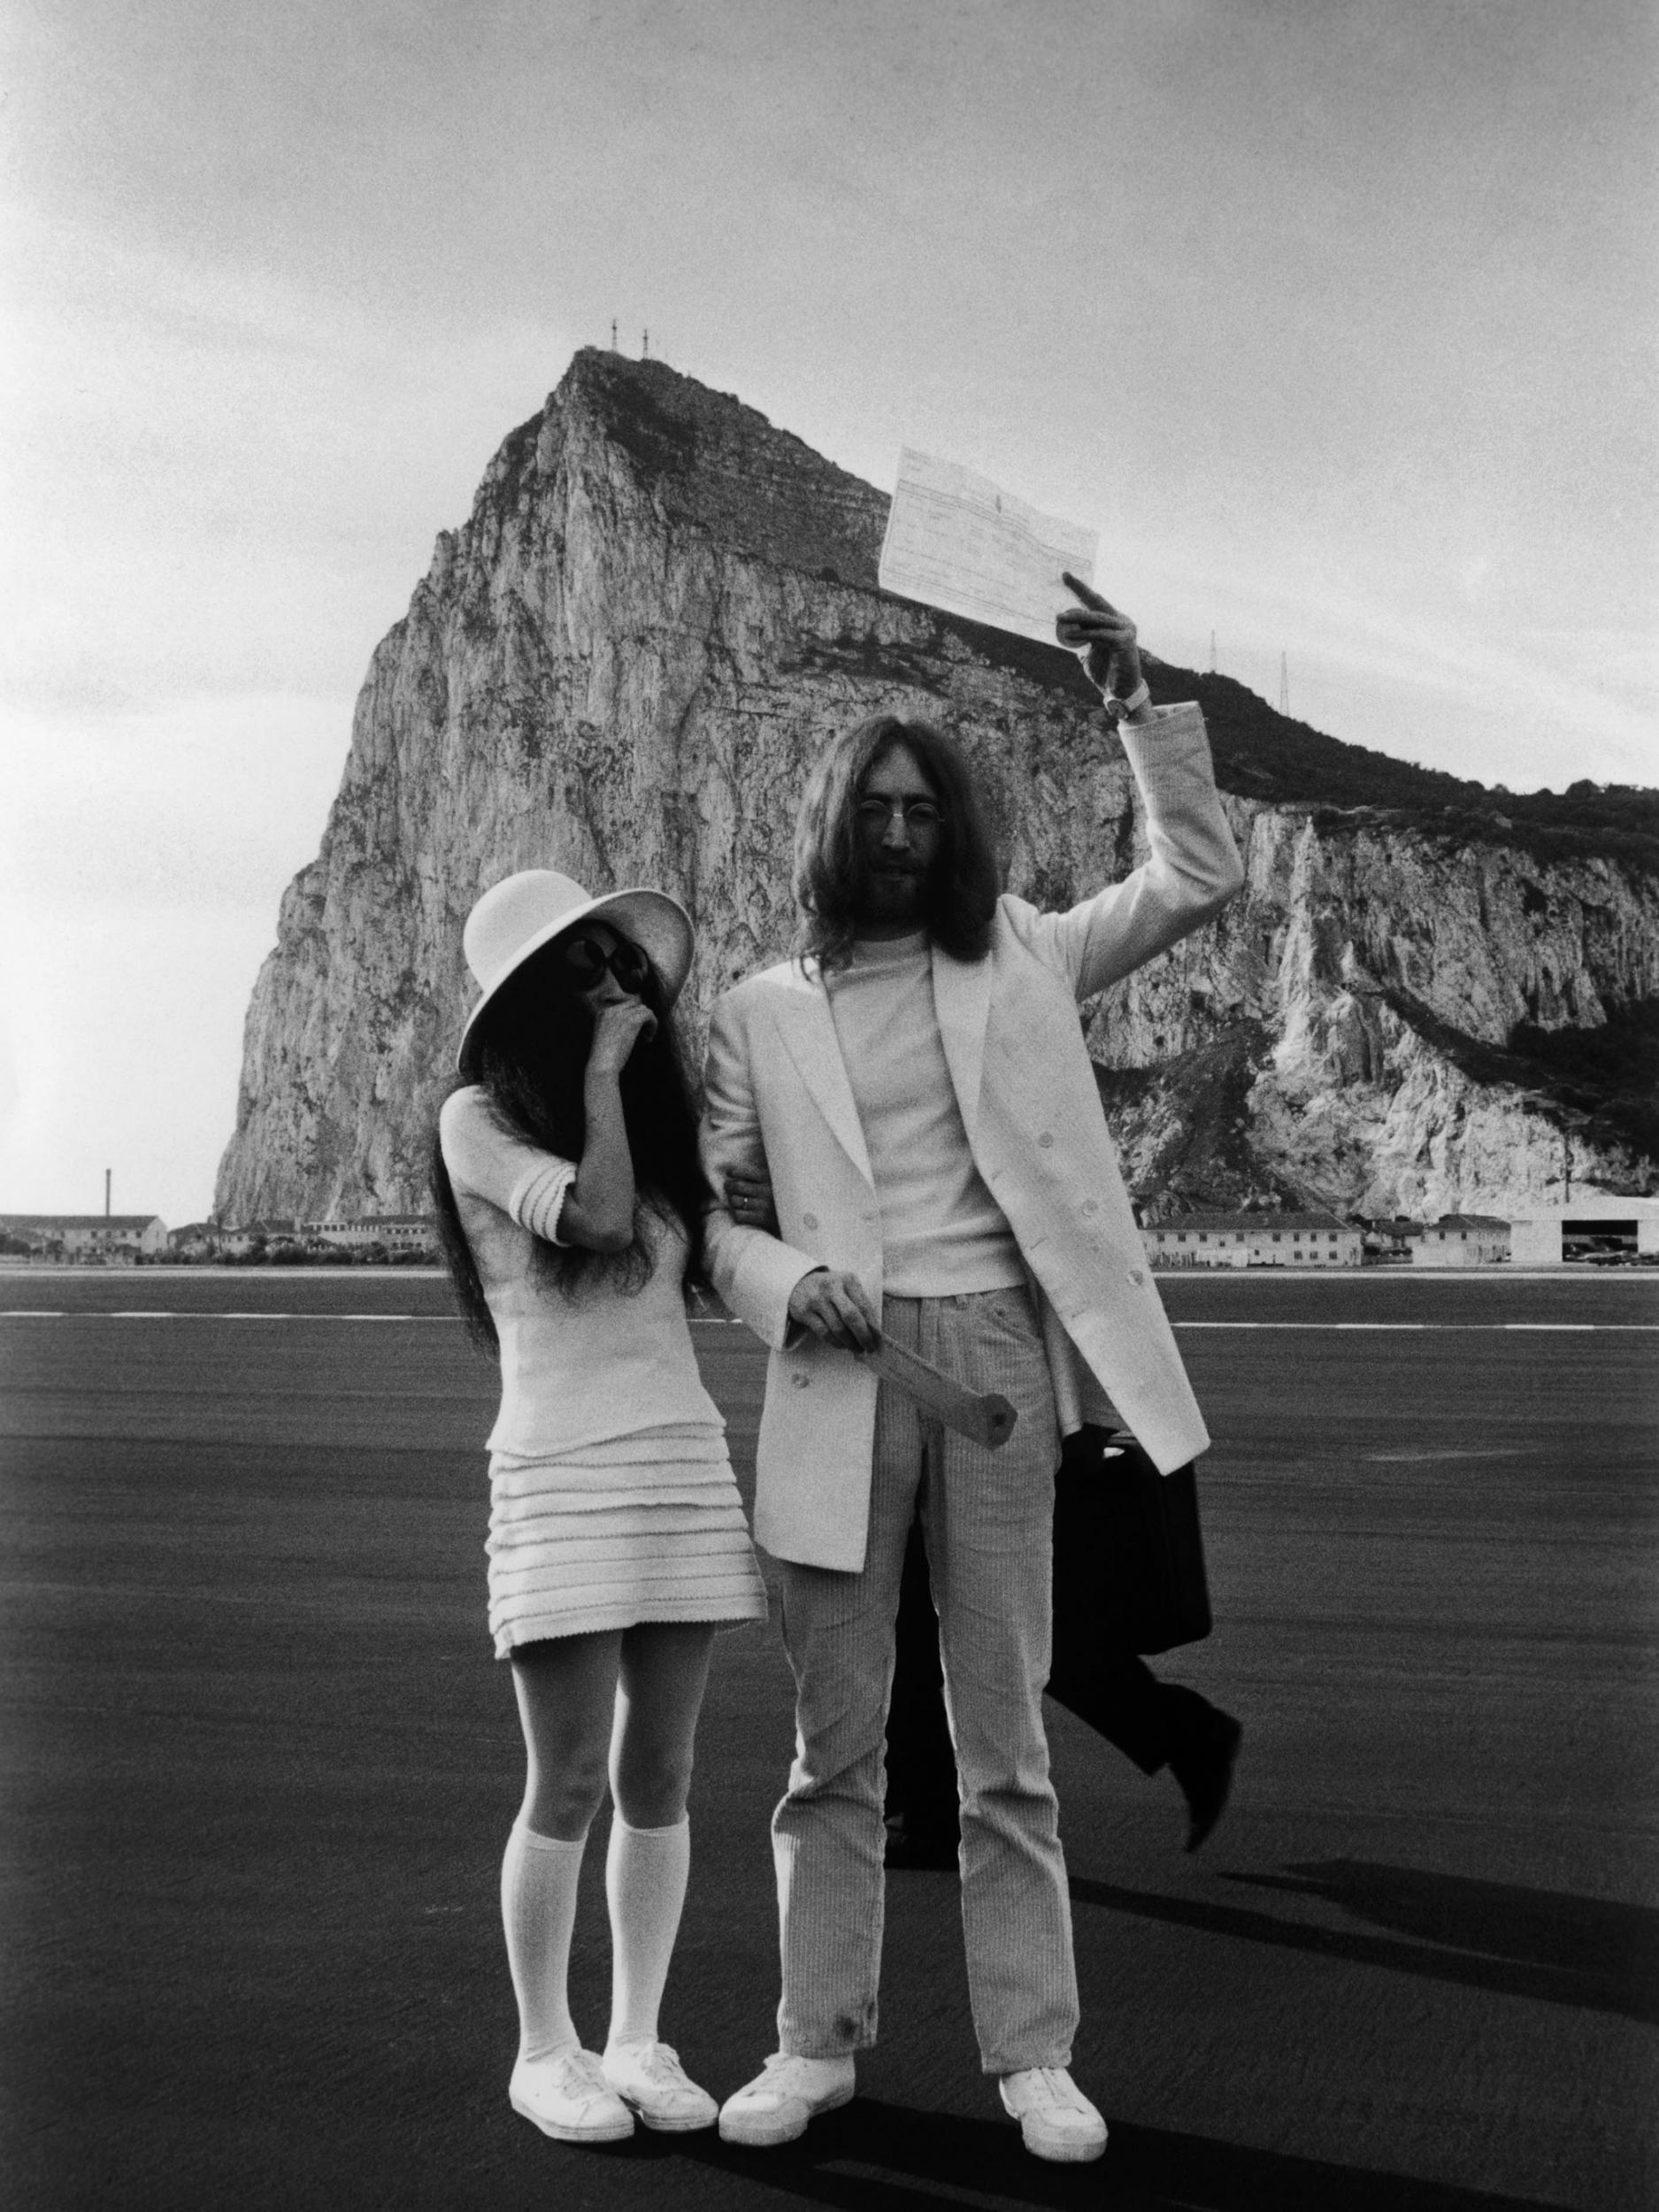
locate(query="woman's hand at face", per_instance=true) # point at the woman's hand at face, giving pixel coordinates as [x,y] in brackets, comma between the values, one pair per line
[618,1028]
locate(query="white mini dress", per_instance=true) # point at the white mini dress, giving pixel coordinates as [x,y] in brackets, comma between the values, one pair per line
[613,1499]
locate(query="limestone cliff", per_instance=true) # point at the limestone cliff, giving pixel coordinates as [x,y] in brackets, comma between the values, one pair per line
[621,666]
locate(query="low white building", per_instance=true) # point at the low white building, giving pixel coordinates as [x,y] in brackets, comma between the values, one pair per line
[398,1232]
[1461,1240]
[1547,1236]
[88,1236]
[1393,1237]
[1252,1240]
[194,1240]
[239,1242]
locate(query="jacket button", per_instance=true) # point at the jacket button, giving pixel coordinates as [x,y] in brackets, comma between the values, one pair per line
[1136,1275]
[809,1221]
[1047,1138]
[1090,1206]
[801,1382]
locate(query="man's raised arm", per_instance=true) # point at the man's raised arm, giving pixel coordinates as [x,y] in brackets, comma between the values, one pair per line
[1193,868]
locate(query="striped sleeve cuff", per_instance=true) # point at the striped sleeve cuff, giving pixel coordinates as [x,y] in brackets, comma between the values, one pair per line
[538,1198]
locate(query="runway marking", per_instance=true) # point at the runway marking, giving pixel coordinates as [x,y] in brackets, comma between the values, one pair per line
[1417,1328]
[193,1313]
[1495,1451]
[1448,1328]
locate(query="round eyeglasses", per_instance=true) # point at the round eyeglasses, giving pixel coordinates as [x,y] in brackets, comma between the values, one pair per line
[919,814]
[583,962]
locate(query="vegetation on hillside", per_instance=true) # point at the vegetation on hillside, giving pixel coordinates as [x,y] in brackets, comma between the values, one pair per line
[1261,754]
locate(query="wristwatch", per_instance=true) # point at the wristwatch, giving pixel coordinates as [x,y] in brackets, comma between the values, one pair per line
[1115,709]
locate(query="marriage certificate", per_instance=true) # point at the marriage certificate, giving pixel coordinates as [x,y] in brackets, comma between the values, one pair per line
[956,539]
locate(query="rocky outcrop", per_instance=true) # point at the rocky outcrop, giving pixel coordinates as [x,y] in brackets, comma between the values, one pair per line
[623,663]
[1360,1029]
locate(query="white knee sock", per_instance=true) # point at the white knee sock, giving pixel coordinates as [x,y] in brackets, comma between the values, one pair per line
[538,1911]
[645,1885]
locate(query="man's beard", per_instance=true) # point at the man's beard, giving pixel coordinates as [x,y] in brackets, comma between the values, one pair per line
[893,894]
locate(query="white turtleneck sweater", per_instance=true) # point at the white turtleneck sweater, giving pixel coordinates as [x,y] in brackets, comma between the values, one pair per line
[942,1231]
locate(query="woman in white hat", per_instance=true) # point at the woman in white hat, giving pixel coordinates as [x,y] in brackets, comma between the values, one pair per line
[570,1197]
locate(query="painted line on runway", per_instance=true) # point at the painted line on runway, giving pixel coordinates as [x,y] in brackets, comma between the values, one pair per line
[1415,1328]
[1448,1328]
[191,1313]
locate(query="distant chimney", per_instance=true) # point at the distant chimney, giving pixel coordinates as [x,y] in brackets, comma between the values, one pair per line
[107,1173]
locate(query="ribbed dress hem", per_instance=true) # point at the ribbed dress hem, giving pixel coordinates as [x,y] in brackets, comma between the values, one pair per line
[550,1627]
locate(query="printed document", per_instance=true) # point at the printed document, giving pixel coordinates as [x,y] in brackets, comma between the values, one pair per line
[956,540]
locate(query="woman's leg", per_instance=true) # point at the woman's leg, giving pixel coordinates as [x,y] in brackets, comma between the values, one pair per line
[566,1689]
[664,1669]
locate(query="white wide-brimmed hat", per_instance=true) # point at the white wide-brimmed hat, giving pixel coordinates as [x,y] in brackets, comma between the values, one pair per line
[518,916]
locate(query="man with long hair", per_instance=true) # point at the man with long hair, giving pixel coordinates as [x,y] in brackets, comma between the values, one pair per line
[915,1084]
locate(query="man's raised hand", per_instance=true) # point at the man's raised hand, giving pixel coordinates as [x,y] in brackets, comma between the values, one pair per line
[1102,639]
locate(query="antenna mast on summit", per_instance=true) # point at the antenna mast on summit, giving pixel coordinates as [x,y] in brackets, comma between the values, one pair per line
[645,345]
[1213,652]
[613,334]
[1284,684]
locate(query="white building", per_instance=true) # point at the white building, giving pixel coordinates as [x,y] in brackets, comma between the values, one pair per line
[1461,1240]
[1545,1236]
[399,1232]
[239,1242]
[195,1238]
[1252,1240]
[88,1236]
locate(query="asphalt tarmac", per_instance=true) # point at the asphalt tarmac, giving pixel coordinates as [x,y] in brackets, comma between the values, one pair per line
[259,1766]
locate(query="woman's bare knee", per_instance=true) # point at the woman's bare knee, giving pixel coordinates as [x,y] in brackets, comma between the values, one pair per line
[651,1782]
[567,1693]
[561,1802]
[663,1669]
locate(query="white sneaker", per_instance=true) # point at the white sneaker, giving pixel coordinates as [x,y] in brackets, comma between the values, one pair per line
[1055,2119]
[568,2098]
[776,2106]
[650,2077]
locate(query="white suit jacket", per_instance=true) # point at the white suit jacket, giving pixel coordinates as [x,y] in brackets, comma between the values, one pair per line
[779,1102]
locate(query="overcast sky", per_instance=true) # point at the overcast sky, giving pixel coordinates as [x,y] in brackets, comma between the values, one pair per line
[1336,320]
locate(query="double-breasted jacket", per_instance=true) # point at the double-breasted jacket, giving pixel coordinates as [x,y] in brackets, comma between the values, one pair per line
[778,1102]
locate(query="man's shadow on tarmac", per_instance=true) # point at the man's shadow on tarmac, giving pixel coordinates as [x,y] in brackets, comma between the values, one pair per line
[1546,1944]
[876,2157]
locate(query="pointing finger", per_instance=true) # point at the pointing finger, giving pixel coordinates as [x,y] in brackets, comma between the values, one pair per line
[1086,593]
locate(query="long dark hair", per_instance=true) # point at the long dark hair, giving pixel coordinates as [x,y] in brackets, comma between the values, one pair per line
[528,1054]
[829,862]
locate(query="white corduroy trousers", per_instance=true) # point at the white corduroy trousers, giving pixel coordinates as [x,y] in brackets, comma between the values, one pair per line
[989,1520]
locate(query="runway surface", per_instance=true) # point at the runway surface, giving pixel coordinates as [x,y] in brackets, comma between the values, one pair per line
[259,1767]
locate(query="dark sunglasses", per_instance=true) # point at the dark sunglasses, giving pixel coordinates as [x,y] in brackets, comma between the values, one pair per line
[583,961]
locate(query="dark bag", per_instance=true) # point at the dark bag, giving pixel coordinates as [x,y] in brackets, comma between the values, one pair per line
[1128,1556]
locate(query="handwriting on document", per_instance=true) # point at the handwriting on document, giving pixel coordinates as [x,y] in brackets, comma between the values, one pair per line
[954,540]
